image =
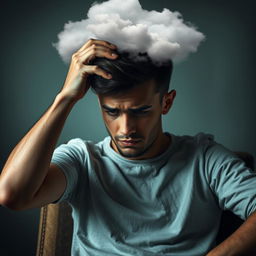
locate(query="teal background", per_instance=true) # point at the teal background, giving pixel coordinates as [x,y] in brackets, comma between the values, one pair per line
[215,86]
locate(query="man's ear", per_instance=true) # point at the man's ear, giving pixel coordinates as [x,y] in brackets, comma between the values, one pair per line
[167,101]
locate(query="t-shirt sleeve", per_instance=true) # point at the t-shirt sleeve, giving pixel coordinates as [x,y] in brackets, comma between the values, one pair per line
[233,183]
[70,158]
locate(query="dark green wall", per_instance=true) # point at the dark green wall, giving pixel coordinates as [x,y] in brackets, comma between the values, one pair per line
[215,86]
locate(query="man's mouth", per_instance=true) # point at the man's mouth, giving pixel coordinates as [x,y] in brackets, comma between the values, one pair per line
[129,142]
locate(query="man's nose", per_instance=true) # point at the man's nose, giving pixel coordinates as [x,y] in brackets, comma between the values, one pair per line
[127,124]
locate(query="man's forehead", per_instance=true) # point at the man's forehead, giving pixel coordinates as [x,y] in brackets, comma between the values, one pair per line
[131,102]
[135,98]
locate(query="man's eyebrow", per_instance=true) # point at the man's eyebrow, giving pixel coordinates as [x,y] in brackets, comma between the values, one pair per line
[145,107]
[109,108]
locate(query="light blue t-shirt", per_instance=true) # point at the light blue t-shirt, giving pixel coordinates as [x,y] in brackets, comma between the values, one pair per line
[167,205]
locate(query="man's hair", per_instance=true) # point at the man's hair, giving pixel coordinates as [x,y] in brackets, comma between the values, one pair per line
[128,72]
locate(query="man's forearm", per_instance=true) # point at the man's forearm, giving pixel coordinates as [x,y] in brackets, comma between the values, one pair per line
[241,242]
[28,164]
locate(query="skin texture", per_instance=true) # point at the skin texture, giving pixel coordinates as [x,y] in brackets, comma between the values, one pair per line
[29,180]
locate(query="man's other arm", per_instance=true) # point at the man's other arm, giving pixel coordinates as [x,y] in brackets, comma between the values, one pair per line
[28,178]
[241,243]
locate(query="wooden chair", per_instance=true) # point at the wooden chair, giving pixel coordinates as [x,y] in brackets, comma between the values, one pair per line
[56,224]
[55,230]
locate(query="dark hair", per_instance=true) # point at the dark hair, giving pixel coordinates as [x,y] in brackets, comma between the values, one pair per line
[128,72]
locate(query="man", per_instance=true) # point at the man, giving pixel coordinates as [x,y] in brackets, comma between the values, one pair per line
[140,191]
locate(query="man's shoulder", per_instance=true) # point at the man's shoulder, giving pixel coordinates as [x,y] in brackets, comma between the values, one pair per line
[204,145]
[198,139]
[82,145]
[82,142]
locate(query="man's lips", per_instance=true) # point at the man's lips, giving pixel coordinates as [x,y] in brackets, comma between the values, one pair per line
[129,142]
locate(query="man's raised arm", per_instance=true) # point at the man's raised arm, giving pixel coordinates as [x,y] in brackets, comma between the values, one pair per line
[28,178]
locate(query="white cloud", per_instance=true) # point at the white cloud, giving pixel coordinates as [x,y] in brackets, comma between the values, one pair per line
[163,35]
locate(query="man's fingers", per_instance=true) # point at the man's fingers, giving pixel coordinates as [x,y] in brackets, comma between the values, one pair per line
[94,48]
[97,42]
[90,69]
[76,85]
[95,51]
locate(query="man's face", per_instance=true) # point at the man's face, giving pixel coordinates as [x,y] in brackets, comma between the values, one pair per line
[133,120]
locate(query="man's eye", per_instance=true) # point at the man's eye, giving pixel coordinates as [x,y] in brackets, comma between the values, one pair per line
[112,112]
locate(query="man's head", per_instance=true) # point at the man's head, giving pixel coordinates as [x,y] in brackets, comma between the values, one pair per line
[132,103]
[128,73]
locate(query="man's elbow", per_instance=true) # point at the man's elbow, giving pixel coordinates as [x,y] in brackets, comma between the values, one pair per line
[8,200]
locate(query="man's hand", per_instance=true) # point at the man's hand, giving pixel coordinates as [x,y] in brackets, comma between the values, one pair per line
[76,86]
[31,158]
[241,243]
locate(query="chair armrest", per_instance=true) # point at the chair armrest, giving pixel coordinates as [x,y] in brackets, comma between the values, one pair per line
[55,230]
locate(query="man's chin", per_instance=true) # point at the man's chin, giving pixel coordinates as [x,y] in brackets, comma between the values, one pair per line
[129,155]
[130,152]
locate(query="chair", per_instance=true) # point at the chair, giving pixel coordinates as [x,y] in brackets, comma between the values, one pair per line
[56,224]
[55,230]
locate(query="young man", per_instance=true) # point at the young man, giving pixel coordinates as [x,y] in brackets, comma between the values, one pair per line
[140,191]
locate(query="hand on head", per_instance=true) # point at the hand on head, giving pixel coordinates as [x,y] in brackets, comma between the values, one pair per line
[76,85]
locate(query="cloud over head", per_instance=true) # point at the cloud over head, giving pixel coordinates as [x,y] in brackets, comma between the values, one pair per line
[162,35]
